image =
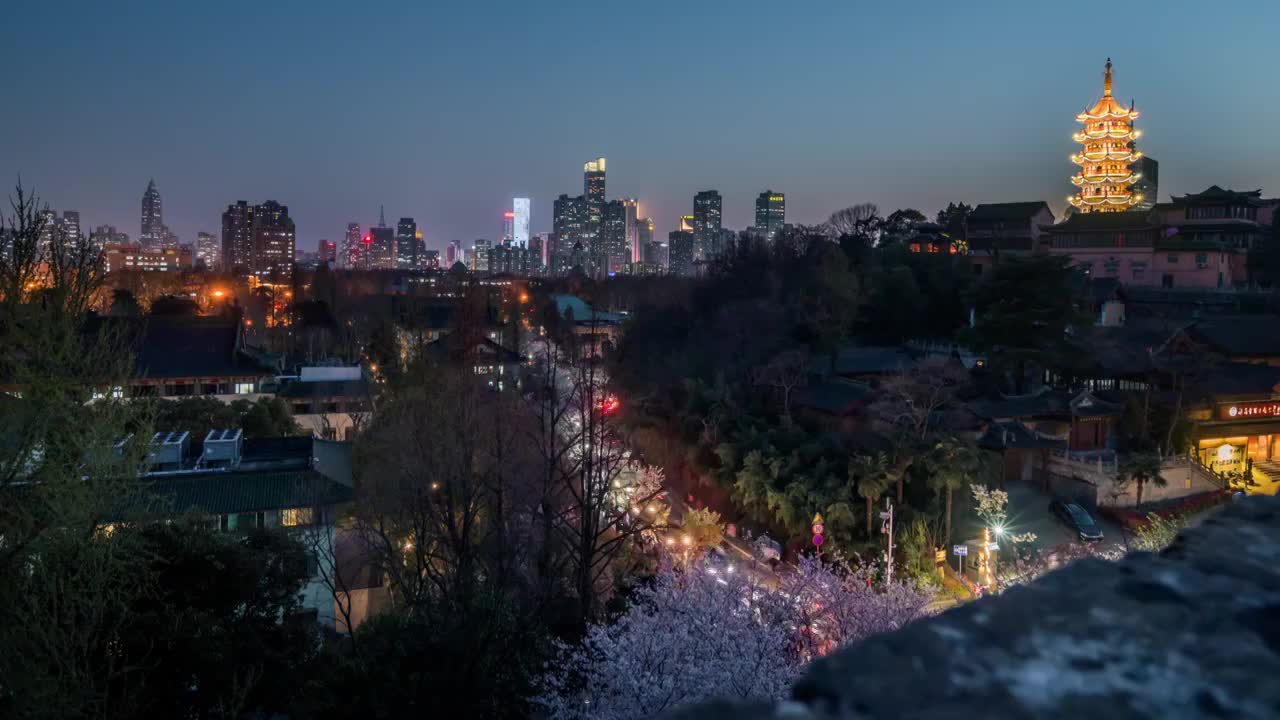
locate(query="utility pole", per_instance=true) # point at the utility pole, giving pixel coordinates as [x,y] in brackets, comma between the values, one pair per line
[887,529]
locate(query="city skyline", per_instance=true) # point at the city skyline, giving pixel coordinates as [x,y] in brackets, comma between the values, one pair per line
[827,156]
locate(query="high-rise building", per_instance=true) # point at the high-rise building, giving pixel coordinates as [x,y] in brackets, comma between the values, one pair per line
[571,219]
[353,246]
[480,256]
[207,250]
[153,230]
[706,225]
[614,252]
[523,214]
[1106,177]
[69,226]
[631,242]
[237,237]
[406,244]
[274,241]
[170,240]
[508,227]
[771,213]
[644,237]
[104,234]
[327,252]
[453,253]
[430,259]
[539,251]
[258,239]
[593,180]
[680,247]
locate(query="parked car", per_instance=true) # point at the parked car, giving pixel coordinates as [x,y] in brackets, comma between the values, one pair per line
[1076,518]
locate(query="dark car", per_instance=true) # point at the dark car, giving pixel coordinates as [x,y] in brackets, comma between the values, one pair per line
[1076,518]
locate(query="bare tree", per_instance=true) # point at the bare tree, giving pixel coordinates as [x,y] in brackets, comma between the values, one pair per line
[859,221]
[916,399]
[785,372]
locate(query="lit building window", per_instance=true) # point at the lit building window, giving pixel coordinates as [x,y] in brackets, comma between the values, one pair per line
[294,517]
[244,388]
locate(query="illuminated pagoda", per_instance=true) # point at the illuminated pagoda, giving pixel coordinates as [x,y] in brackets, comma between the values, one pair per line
[1106,178]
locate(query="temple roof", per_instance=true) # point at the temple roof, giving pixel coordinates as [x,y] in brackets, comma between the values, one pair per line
[996,212]
[1217,196]
[1107,104]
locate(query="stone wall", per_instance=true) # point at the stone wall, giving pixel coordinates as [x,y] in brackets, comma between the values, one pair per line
[1193,632]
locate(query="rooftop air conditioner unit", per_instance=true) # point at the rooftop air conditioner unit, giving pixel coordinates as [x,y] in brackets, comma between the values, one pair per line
[222,448]
[168,449]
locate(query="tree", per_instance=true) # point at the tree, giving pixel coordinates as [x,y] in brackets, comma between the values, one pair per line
[953,464]
[1024,311]
[787,371]
[704,528]
[858,221]
[955,219]
[873,475]
[693,636]
[1143,468]
[1160,532]
[900,225]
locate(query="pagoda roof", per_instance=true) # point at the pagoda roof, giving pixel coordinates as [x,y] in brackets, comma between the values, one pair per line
[995,212]
[1102,222]
[1216,195]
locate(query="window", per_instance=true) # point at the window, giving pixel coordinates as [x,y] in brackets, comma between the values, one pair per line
[1166,281]
[1202,260]
[294,517]
[1139,269]
[244,388]
[1111,266]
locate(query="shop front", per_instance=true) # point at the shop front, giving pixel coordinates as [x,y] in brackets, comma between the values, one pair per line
[1239,436]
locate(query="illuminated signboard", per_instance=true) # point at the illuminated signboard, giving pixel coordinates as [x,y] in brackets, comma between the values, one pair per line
[1249,411]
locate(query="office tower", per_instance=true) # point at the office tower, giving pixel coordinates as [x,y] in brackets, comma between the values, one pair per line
[771,213]
[430,259]
[170,240]
[644,237]
[480,256]
[728,240]
[69,226]
[237,237]
[680,246]
[274,245]
[631,231]
[706,225]
[508,227]
[523,215]
[406,244]
[452,253]
[540,250]
[152,217]
[593,181]
[571,218]
[327,252]
[107,234]
[207,250]
[352,246]
[380,248]
[614,252]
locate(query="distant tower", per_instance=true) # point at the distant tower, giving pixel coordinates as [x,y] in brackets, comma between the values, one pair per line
[771,213]
[520,233]
[153,233]
[1106,178]
[593,180]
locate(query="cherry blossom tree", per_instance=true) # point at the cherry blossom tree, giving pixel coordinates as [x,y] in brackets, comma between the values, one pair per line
[719,632]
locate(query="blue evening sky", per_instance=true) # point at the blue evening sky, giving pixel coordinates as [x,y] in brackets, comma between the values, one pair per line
[445,110]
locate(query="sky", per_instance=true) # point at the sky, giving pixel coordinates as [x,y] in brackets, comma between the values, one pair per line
[444,111]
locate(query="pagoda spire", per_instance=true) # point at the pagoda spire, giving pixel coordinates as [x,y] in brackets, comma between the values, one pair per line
[1106,178]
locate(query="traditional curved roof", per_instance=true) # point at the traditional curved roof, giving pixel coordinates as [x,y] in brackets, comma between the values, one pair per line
[1107,106]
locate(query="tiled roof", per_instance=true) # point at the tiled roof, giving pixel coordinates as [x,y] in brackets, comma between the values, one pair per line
[296,390]
[183,346]
[230,492]
[1250,335]
[837,397]
[1007,212]
[1215,194]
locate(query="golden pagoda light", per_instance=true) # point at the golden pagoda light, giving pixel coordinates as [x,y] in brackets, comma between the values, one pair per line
[1105,178]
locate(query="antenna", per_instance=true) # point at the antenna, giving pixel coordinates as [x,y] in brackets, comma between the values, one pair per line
[382,216]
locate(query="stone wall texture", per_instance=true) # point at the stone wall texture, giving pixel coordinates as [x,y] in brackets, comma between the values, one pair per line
[1193,632]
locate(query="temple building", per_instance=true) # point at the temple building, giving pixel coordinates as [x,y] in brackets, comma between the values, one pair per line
[1105,178]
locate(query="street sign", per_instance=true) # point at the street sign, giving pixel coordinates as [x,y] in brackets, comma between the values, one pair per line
[940,557]
[817,540]
[960,550]
[819,528]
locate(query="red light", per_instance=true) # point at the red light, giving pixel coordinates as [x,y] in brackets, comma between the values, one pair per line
[610,405]
[368,239]
[508,214]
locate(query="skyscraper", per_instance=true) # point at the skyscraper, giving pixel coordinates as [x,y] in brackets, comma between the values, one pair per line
[539,251]
[274,241]
[508,227]
[593,180]
[520,234]
[631,242]
[480,256]
[1146,184]
[706,225]
[680,244]
[613,237]
[571,218]
[771,213]
[69,226]
[352,247]
[452,253]
[327,252]
[153,230]
[237,237]
[644,238]
[406,244]
[207,250]
[258,239]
